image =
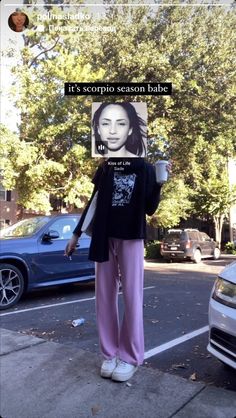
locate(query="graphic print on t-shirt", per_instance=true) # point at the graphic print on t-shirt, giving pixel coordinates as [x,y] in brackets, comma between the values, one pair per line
[123,189]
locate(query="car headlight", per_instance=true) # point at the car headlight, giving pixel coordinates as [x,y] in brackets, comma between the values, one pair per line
[225,292]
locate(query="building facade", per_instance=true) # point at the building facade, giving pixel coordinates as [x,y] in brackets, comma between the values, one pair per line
[8,207]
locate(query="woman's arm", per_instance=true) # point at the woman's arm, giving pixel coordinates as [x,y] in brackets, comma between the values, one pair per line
[77,231]
[153,191]
[71,245]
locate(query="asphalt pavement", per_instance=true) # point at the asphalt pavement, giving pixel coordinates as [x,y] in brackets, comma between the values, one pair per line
[41,379]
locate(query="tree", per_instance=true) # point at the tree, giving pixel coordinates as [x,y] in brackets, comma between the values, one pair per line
[213,193]
[54,127]
[192,47]
[217,198]
[35,178]
[172,210]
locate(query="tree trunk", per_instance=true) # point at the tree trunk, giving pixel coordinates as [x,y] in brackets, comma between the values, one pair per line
[20,212]
[218,221]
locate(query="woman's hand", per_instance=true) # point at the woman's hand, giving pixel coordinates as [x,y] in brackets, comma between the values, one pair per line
[169,167]
[71,245]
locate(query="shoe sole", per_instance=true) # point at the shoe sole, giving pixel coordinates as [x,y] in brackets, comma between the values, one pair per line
[106,374]
[124,377]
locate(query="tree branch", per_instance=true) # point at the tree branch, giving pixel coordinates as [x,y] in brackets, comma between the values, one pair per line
[43,52]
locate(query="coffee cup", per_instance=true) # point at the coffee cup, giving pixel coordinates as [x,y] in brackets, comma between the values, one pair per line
[161,171]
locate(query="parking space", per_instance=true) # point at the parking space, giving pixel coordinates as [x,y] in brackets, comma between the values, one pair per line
[175,318]
[192,361]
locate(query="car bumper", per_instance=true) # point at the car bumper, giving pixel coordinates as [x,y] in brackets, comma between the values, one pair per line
[176,254]
[222,333]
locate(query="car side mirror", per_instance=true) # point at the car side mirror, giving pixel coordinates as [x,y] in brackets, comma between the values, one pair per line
[51,235]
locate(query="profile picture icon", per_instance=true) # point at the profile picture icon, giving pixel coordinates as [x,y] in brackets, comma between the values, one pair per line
[18,21]
[119,130]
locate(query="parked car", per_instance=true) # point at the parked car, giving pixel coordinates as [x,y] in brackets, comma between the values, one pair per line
[222,317]
[188,244]
[32,256]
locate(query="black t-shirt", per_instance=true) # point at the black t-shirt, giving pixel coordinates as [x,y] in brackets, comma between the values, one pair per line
[122,219]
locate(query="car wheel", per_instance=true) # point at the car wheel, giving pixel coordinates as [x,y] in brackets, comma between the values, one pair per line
[11,285]
[216,254]
[197,256]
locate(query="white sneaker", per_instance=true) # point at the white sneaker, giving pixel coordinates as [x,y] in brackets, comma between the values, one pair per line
[108,366]
[123,371]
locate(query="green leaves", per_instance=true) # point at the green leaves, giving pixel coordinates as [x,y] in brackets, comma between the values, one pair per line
[175,204]
[192,47]
[35,177]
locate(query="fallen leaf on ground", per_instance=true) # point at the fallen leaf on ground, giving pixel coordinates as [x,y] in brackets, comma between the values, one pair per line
[179,366]
[95,409]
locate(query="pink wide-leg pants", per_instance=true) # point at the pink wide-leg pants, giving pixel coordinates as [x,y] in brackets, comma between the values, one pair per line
[125,340]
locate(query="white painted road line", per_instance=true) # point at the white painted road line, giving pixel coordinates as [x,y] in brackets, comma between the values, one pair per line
[176,341]
[36,308]
[58,304]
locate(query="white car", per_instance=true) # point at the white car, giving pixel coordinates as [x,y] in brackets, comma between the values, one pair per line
[222,317]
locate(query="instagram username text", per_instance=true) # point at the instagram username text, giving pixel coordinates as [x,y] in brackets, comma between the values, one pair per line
[69,16]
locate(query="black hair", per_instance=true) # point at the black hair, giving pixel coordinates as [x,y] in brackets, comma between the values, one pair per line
[135,141]
[12,25]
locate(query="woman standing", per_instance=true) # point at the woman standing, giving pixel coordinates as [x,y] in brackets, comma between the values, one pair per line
[127,191]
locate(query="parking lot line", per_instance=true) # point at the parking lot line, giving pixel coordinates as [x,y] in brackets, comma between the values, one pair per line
[57,304]
[170,344]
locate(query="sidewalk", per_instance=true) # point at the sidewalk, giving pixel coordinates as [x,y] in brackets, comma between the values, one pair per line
[41,379]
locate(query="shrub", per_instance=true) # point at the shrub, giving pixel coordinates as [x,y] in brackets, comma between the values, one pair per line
[230,248]
[152,250]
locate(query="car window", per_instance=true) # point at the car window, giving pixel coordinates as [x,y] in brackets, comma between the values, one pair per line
[205,237]
[175,235]
[64,227]
[25,228]
[193,235]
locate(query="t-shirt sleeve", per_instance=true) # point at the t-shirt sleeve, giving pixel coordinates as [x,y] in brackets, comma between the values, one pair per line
[153,191]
